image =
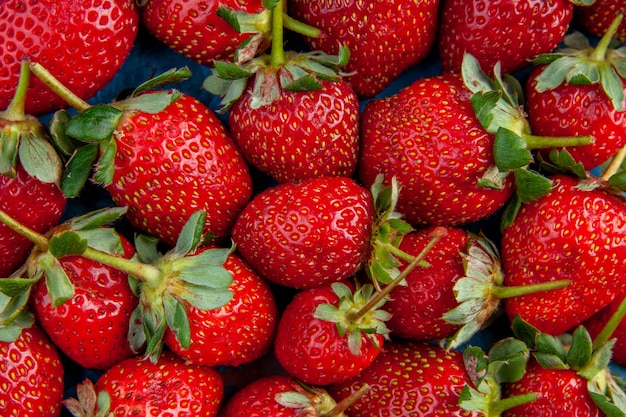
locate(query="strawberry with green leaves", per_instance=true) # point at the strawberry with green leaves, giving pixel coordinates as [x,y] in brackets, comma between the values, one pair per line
[136,386]
[510,32]
[83,43]
[579,90]
[292,114]
[31,376]
[384,38]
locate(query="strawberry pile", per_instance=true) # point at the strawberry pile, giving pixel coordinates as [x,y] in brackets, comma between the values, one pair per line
[312,208]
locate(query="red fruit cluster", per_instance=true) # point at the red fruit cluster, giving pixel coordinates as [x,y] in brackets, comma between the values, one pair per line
[326,208]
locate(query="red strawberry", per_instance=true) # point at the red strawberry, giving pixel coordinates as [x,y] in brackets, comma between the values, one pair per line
[409,379]
[597,17]
[505,31]
[195,28]
[321,340]
[138,387]
[307,234]
[384,39]
[83,43]
[31,376]
[580,91]
[575,232]
[428,137]
[237,333]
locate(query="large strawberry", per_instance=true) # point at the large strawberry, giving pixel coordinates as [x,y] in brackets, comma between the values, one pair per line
[30,172]
[292,114]
[83,43]
[31,376]
[384,38]
[136,386]
[575,232]
[239,332]
[308,233]
[579,90]
[597,17]
[505,31]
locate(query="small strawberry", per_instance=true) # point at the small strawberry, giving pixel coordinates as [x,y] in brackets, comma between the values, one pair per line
[597,17]
[509,32]
[575,232]
[384,39]
[408,379]
[31,376]
[323,337]
[83,43]
[579,90]
[308,233]
[136,386]
[292,114]
[197,29]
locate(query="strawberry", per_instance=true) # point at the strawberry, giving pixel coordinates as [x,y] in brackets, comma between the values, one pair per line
[136,386]
[83,43]
[31,376]
[197,30]
[574,232]
[322,338]
[408,378]
[597,17]
[292,114]
[239,332]
[579,90]
[509,32]
[384,39]
[308,233]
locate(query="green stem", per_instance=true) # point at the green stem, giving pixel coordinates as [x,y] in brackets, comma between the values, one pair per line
[38,239]
[609,328]
[500,292]
[56,86]
[435,236]
[599,53]
[397,252]
[346,402]
[149,274]
[278,51]
[300,27]
[15,112]
[500,406]
[615,165]
[539,142]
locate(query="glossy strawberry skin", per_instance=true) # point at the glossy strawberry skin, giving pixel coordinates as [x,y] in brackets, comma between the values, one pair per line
[428,137]
[193,28]
[558,390]
[509,32]
[238,333]
[417,308]
[82,43]
[300,135]
[306,234]
[576,110]
[414,379]
[92,327]
[384,38]
[31,376]
[597,17]
[312,349]
[171,164]
[37,205]
[170,387]
[569,234]
[596,323]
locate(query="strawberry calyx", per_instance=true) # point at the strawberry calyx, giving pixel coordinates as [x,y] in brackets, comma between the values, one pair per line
[316,402]
[89,403]
[581,64]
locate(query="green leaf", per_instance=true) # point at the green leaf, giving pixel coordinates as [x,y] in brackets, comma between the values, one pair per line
[205,298]
[618,180]
[9,144]
[177,320]
[510,151]
[173,75]
[67,243]
[104,239]
[147,248]
[476,363]
[305,83]
[524,331]
[190,234]
[510,212]
[507,360]
[608,408]
[78,170]
[564,162]
[548,344]
[216,277]
[12,287]
[231,71]
[13,307]
[106,164]
[40,159]
[293,399]
[97,218]
[555,73]
[550,361]
[531,186]
[580,350]
[57,126]
[95,124]
[612,86]
[59,286]
[136,334]
[484,104]
[148,103]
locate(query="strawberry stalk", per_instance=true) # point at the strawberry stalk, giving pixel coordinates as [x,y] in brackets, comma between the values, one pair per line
[15,111]
[278,51]
[61,90]
[346,402]
[599,54]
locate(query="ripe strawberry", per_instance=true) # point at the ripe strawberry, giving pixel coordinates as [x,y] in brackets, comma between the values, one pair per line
[237,333]
[579,90]
[597,17]
[196,29]
[83,43]
[138,387]
[575,232]
[509,32]
[322,340]
[408,379]
[384,39]
[308,233]
[31,376]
